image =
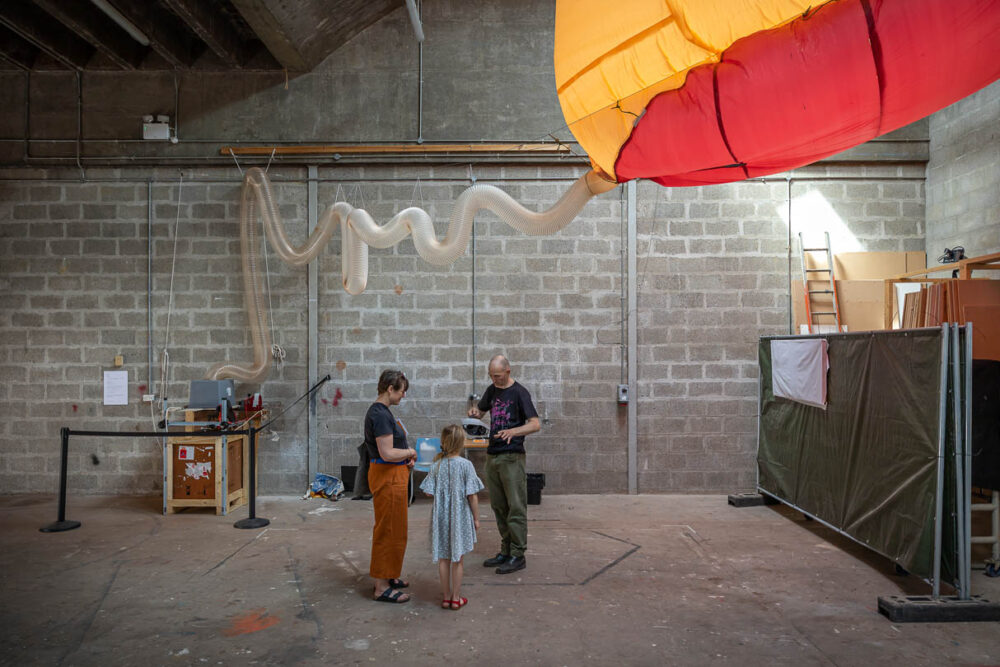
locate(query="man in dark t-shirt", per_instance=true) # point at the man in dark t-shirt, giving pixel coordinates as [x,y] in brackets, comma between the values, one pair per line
[512,416]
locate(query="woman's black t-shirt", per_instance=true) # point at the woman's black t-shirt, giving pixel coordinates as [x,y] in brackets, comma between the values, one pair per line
[378,422]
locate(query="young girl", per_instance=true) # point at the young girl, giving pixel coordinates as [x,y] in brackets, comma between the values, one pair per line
[455,517]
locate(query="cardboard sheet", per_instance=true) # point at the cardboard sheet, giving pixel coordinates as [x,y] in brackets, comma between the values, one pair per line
[861,305]
[876,265]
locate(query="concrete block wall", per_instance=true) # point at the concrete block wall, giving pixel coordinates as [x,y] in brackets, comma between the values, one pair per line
[963,176]
[487,75]
[713,276]
[714,271]
[714,264]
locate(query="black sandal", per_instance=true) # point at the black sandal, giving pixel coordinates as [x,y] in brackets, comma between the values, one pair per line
[398,583]
[391,595]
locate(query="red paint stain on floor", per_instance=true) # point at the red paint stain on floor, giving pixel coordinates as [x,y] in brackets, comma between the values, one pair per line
[255,621]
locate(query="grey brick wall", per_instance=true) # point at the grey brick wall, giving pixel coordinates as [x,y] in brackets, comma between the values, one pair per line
[713,276]
[714,272]
[963,176]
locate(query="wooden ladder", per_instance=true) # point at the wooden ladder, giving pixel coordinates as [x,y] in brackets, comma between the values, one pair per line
[808,293]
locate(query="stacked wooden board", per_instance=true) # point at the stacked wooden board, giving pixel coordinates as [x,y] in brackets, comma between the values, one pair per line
[962,299]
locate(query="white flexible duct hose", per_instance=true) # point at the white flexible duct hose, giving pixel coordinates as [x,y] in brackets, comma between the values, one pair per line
[358,231]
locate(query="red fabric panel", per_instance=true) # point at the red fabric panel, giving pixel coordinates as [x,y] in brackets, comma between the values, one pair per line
[703,177]
[787,96]
[678,133]
[803,91]
[934,53]
[814,87]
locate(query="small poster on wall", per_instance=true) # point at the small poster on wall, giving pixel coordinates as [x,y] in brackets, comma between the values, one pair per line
[115,387]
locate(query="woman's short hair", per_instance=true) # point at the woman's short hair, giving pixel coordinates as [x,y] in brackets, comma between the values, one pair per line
[394,379]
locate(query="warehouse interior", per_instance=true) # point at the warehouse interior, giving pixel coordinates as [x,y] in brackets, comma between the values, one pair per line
[678,520]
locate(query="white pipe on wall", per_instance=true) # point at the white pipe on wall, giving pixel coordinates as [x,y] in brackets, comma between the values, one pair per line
[358,231]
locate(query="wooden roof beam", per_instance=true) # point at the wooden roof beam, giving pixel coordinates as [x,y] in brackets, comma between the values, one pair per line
[212,28]
[91,24]
[16,50]
[45,32]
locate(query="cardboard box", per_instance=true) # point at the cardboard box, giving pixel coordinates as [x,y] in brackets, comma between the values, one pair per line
[876,265]
[861,305]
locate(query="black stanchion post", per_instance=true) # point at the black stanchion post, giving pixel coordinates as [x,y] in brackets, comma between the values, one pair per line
[252,521]
[62,524]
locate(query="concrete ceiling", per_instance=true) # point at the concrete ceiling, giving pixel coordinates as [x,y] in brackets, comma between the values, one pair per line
[210,35]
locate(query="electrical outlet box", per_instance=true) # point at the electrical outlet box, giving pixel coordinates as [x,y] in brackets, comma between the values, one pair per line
[623,394]
[156,131]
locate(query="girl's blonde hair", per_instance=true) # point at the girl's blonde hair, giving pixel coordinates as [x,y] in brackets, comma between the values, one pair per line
[452,441]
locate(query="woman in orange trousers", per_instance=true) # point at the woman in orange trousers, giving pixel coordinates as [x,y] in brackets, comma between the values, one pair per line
[388,476]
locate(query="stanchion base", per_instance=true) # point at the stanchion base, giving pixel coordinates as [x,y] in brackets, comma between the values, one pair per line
[59,526]
[750,499]
[925,609]
[256,522]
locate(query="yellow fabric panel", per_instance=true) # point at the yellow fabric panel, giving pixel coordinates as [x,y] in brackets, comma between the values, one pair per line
[623,54]
[638,64]
[607,129]
[716,24]
[586,30]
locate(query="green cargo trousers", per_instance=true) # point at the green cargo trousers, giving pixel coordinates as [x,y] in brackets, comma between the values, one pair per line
[508,486]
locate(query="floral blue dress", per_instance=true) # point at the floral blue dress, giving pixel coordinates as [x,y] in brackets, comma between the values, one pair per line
[453,532]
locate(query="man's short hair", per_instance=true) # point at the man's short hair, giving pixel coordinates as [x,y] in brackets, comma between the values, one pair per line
[499,360]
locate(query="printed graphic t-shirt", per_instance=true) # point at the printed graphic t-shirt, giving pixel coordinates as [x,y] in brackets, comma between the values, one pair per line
[508,408]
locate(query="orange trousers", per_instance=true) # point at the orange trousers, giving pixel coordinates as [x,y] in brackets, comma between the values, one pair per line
[388,484]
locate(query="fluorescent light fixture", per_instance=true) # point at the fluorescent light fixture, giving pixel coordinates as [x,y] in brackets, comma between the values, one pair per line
[125,24]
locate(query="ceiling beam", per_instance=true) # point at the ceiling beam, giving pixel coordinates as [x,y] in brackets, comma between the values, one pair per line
[212,28]
[17,51]
[49,35]
[166,33]
[91,24]
[259,16]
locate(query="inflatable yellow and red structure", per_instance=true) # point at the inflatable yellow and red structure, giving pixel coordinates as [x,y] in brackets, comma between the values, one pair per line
[695,92]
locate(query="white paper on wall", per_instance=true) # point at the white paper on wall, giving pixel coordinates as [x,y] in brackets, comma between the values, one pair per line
[115,387]
[798,370]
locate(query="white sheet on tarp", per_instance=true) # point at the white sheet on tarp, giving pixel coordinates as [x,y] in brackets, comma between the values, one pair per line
[798,370]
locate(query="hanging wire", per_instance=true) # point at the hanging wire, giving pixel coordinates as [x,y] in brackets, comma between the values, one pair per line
[273,151]
[277,352]
[165,356]
[236,161]
[417,193]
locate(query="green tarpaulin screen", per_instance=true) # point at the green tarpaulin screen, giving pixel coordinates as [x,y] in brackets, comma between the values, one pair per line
[867,465]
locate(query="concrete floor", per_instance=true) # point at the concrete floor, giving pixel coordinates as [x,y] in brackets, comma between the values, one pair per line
[639,580]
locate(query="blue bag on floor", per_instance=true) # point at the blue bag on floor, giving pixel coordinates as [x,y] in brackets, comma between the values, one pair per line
[325,486]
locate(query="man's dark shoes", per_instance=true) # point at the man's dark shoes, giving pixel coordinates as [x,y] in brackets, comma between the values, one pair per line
[513,564]
[499,559]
